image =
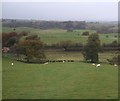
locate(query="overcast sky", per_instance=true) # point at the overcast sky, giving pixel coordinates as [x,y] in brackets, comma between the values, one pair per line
[87,11]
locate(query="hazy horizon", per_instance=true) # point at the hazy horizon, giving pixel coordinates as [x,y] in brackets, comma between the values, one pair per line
[59,11]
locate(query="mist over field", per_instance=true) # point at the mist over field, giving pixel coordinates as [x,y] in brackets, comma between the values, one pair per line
[59,11]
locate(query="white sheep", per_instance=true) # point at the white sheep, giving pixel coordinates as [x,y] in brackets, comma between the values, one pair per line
[12,64]
[115,65]
[46,63]
[98,65]
[93,64]
[63,61]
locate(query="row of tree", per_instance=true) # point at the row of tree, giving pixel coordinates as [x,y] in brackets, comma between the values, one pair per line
[44,24]
[32,48]
[68,45]
[99,27]
[9,39]
[103,28]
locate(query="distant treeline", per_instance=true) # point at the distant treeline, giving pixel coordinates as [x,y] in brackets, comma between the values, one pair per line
[44,24]
[99,27]
[103,28]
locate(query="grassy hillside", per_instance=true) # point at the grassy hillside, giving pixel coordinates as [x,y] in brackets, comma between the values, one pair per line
[59,81]
[77,80]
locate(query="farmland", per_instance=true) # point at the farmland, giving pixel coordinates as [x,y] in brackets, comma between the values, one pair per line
[76,80]
[59,50]
[69,80]
[50,36]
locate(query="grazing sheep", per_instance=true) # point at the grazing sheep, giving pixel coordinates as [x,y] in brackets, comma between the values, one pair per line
[63,61]
[93,64]
[98,65]
[46,63]
[12,64]
[115,65]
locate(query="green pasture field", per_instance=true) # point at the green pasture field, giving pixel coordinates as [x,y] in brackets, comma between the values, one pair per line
[78,56]
[72,55]
[51,36]
[75,80]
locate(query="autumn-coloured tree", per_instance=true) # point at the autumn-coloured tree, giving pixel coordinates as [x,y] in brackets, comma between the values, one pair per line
[9,39]
[5,37]
[32,50]
[12,34]
[23,33]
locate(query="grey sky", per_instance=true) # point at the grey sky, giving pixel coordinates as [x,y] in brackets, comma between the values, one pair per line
[89,11]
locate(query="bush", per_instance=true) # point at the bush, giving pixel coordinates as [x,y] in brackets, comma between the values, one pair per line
[114,60]
[23,33]
[115,36]
[85,33]
[70,30]
[32,37]
[107,36]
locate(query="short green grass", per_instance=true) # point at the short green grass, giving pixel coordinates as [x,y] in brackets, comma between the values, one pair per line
[51,36]
[59,81]
[76,80]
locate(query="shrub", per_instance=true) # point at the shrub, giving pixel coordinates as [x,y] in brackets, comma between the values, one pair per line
[107,36]
[23,33]
[115,36]
[85,33]
[114,60]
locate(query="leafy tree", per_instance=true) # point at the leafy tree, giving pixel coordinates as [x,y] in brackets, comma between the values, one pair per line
[32,49]
[5,37]
[8,39]
[11,41]
[65,44]
[92,48]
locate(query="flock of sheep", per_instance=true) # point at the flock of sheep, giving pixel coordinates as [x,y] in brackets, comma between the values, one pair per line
[47,62]
[97,65]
